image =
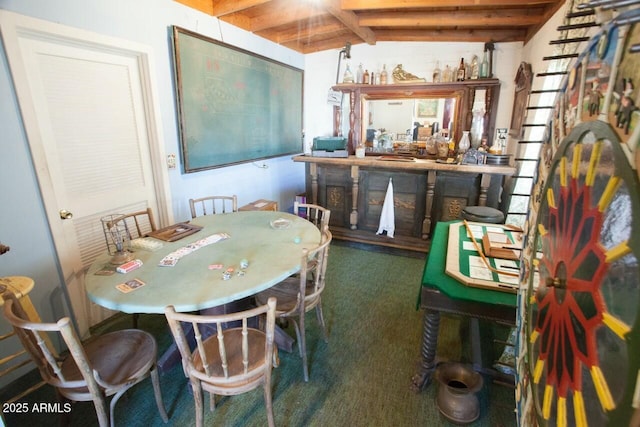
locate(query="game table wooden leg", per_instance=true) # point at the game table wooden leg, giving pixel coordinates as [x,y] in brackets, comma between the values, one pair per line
[431,328]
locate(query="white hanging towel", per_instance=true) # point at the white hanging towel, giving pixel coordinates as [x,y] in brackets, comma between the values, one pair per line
[387,216]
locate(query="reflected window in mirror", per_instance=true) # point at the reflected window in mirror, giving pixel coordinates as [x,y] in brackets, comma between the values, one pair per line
[478,110]
[408,118]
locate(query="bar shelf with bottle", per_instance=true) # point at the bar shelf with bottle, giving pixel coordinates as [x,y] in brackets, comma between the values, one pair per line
[352,123]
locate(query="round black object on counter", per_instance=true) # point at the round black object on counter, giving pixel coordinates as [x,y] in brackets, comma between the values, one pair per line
[483,214]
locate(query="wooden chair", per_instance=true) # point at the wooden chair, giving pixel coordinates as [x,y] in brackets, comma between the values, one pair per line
[105,366]
[140,223]
[314,213]
[212,205]
[299,294]
[227,361]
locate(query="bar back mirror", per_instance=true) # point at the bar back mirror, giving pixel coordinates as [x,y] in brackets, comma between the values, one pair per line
[398,118]
[402,113]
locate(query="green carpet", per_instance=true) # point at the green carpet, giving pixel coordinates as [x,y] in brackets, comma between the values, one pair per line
[360,378]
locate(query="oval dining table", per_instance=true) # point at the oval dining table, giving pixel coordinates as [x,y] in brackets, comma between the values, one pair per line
[195,282]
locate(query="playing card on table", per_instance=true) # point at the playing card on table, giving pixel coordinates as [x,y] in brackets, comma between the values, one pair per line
[168,262]
[130,285]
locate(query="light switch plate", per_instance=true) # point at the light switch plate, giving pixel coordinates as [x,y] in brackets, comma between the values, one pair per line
[171,161]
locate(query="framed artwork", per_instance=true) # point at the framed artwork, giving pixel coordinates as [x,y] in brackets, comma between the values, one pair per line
[234,106]
[501,138]
[524,77]
[427,108]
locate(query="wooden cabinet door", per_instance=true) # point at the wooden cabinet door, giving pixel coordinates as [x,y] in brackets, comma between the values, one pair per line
[453,193]
[409,192]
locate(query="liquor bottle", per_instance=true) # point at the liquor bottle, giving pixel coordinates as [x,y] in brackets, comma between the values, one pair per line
[383,75]
[475,68]
[484,67]
[372,78]
[348,77]
[461,71]
[365,77]
[436,73]
[447,75]
[359,74]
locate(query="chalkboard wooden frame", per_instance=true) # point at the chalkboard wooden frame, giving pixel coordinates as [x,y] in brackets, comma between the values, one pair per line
[234,106]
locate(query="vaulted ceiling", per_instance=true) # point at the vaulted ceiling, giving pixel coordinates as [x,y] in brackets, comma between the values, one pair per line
[314,25]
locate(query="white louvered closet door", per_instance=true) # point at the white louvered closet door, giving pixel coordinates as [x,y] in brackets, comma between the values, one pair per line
[86,112]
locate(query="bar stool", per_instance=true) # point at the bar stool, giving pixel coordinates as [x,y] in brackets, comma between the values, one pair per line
[20,286]
[483,214]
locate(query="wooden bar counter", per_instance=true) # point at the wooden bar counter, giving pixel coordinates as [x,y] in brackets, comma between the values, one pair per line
[425,192]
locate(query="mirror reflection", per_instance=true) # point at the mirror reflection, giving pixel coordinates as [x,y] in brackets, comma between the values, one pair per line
[407,125]
[416,124]
[408,120]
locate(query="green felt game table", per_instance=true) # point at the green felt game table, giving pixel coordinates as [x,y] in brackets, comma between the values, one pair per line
[441,293]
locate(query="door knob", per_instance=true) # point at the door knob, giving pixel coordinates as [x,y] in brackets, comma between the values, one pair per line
[65,214]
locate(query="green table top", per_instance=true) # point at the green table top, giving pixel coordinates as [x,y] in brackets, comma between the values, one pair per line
[434,275]
[190,285]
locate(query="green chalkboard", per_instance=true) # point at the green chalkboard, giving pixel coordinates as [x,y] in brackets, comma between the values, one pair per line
[234,106]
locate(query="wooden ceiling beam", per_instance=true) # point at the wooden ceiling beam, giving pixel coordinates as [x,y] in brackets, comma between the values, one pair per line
[319,46]
[490,35]
[421,4]
[308,27]
[227,7]
[205,6]
[495,18]
[350,20]
[284,16]
[304,33]
[239,20]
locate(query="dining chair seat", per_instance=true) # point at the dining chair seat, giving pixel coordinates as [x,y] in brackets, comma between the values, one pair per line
[233,342]
[104,366]
[286,293]
[231,357]
[110,356]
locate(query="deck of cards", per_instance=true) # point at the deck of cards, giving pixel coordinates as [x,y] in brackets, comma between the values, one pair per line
[172,259]
[129,266]
[130,285]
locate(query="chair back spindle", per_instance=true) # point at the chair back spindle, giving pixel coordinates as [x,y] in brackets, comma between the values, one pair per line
[229,360]
[213,205]
[137,224]
[316,214]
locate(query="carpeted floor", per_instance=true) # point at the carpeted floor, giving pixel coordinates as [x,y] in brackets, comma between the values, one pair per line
[360,378]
